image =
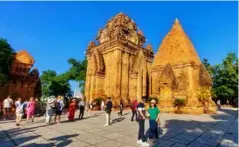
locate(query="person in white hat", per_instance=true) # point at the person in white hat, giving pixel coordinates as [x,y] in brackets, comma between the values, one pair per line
[51,104]
[153,120]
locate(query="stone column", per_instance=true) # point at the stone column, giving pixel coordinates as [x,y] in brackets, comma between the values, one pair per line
[144,82]
[118,70]
[139,85]
[125,76]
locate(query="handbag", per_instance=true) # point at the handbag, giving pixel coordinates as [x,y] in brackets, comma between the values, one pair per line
[159,130]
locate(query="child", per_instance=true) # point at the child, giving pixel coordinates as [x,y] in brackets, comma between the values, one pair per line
[153,120]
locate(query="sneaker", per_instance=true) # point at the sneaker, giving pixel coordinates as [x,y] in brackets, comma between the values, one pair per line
[139,142]
[144,144]
[106,125]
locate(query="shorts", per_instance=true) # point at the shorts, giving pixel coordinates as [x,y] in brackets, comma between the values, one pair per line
[19,115]
[58,112]
[7,109]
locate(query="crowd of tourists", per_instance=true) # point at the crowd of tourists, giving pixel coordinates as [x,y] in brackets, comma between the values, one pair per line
[23,109]
[55,105]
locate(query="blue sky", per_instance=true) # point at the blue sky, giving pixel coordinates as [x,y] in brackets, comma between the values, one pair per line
[53,32]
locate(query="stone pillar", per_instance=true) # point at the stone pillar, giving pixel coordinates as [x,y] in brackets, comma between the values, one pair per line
[144,82]
[139,85]
[125,76]
[118,70]
[87,84]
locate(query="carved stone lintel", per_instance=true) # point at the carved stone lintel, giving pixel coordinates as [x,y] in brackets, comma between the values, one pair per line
[91,45]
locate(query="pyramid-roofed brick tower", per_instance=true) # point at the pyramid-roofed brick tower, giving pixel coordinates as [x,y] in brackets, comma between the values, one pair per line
[176,48]
[177,72]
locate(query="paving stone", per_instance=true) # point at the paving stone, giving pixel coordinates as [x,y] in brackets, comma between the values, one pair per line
[178,145]
[178,130]
[6,144]
[110,143]
[92,139]
[114,135]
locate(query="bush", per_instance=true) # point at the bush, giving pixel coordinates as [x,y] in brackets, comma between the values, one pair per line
[98,101]
[178,102]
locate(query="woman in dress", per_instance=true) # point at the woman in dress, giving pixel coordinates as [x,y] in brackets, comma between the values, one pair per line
[31,109]
[72,109]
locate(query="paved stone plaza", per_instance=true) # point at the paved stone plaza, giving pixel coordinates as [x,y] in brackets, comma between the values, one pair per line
[178,131]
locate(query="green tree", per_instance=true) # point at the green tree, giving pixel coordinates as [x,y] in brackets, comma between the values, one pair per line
[225,78]
[53,84]
[208,66]
[46,79]
[6,57]
[77,72]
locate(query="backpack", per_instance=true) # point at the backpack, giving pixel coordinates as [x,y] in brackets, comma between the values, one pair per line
[51,102]
[58,105]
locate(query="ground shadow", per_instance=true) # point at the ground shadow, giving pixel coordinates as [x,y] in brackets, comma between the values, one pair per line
[77,119]
[119,119]
[199,133]
[18,137]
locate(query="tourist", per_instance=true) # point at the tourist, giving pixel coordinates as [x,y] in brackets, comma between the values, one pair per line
[59,108]
[19,110]
[72,109]
[37,107]
[31,105]
[51,105]
[25,109]
[219,104]
[133,107]
[88,109]
[81,108]
[108,109]
[141,121]
[153,112]
[91,108]
[102,105]
[121,107]
[7,105]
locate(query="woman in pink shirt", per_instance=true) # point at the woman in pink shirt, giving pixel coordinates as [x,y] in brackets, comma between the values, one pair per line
[31,109]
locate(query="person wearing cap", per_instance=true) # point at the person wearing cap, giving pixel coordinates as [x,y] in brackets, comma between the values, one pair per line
[51,105]
[153,112]
[141,120]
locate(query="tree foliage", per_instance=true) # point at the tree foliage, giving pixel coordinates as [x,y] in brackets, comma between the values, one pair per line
[77,72]
[6,57]
[53,84]
[225,78]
